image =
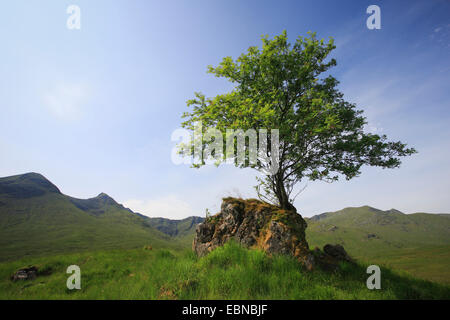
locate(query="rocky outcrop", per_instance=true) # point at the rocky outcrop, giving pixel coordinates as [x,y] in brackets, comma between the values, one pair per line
[256,224]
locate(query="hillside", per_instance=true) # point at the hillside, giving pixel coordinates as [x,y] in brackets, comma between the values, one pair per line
[37,219]
[418,243]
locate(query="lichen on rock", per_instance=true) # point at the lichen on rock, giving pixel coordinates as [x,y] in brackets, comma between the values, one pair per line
[255,224]
[259,225]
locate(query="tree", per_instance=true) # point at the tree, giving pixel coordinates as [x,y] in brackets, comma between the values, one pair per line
[283,86]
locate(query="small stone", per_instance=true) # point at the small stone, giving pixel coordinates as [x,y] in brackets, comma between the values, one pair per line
[28,273]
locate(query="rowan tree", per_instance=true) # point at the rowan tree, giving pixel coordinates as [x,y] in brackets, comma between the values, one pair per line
[288,87]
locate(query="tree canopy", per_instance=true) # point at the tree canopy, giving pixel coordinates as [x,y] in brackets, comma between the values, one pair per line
[288,87]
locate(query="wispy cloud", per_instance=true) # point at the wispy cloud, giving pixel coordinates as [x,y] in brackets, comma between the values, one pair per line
[441,35]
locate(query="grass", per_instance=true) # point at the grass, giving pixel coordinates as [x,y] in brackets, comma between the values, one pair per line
[229,272]
[417,243]
[52,224]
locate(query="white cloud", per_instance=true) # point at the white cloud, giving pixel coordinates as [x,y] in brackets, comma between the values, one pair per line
[66,101]
[170,207]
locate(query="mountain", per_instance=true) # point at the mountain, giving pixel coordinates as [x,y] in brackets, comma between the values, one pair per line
[37,219]
[392,228]
[181,229]
[26,186]
[418,243]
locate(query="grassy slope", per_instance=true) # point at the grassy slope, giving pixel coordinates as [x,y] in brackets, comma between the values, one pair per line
[418,243]
[229,272]
[50,223]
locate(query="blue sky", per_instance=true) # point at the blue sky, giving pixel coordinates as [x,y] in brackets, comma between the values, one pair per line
[93,109]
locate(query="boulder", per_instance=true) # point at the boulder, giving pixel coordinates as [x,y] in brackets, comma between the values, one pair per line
[337,252]
[255,224]
[331,256]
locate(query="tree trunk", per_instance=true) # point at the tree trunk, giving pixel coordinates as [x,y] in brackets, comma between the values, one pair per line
[282,196]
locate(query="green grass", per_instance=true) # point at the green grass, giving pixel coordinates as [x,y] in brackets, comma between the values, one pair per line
[417,243]
[229,272]
[52,224]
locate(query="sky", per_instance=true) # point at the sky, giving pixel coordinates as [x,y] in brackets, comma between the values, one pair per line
[93,109]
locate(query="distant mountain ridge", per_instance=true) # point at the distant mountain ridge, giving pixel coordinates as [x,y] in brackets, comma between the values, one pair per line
[26,186]
[325,215]
[418,243]
[37,219]
[392,226]
[97,205]
[183,229]
[176,227]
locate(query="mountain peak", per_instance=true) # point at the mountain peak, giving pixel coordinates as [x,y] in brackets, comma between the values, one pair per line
[97,205]
[105,199]
[26,185]
[395,211]
[32,175]
[29,176]
[103,195]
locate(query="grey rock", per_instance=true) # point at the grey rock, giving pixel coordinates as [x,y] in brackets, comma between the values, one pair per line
[28,273]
